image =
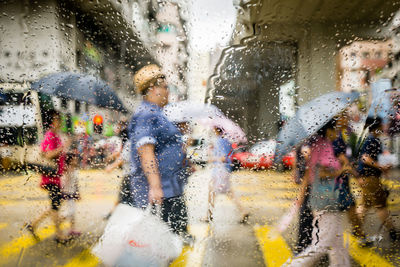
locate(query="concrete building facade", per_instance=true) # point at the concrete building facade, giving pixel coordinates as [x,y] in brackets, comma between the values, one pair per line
[49,36]
[359,62]
[304,38]
[161,27]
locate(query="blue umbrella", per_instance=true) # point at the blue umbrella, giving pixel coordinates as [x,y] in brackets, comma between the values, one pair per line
[309,118]
[381,105]
[81,87]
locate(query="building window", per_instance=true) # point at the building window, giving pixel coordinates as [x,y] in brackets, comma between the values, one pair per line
[77,107]
[64,103]
[365,54]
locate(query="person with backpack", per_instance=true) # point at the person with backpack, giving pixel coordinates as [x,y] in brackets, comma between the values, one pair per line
[322,172]
[344,149]
[370,171]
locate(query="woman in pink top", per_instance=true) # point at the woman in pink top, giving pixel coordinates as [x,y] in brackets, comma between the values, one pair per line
[52,148]
[322,170]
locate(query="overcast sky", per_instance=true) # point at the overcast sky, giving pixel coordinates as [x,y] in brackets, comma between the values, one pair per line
[210,22]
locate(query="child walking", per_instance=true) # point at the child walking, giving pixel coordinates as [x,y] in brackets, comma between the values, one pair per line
[70,191]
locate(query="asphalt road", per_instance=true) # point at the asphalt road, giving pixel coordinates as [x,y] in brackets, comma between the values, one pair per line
[267,195]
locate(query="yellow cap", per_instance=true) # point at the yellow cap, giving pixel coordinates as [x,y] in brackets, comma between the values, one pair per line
[145,75]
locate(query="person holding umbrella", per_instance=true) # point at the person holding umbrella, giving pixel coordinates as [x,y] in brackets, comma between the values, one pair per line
[314,121]
[323,169]
[157,155]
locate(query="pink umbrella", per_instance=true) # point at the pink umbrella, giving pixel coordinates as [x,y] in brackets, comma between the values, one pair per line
[231,130]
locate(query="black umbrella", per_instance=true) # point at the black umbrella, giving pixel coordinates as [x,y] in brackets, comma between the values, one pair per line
[81,87]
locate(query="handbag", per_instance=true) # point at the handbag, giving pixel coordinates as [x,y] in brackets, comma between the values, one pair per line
[36,161]
[345,198]
[33,159]
[324,193]
[137,237]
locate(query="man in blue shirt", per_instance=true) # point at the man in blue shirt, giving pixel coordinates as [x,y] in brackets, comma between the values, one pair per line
[157,155]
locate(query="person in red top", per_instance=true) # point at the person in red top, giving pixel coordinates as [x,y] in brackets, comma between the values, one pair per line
[52,148]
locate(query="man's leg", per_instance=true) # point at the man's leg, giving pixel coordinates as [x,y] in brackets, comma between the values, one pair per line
[174,212]
[317,248]
[211,202]
[384,216]
[355,221]
[338,254]
[55,197]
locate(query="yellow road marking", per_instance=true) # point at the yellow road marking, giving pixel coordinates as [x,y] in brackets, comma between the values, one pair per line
[16,245]
[276,203]
[193,257]
[182,260]
[189,256]
[364,256]
[272,195]
[87,197]
[3,225]
[85,258]
[273,246]
[263,189]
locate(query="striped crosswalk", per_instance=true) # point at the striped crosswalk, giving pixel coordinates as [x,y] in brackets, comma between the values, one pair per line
[275,248]
[268,194]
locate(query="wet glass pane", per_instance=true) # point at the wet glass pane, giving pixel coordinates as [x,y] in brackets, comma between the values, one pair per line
[199,133]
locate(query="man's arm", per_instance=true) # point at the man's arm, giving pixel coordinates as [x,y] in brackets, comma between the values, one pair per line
[53,153]
[150,168]
[367,160]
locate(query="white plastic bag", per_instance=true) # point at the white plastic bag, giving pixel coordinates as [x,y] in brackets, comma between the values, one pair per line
[136,237]
[388,159]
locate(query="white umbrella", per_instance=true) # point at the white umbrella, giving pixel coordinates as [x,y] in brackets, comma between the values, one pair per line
[186,111]
[206,114]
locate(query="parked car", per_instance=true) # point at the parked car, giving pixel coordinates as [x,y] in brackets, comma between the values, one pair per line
[259,156]
[198,152]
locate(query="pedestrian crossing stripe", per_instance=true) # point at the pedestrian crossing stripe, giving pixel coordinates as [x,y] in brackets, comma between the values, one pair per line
[190,256]
[276,251]
[362,255]
[85,258]
[193,256]
[273,246]
[278,186]
[391,184]
[15,246]
[183,259]
[3,225]
[44,200]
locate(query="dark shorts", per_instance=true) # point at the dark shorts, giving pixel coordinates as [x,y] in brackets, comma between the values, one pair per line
[174,213]
[55,195]
[71,196]
[125,194]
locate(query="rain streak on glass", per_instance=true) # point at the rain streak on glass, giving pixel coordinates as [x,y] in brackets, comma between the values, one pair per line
[199,133]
